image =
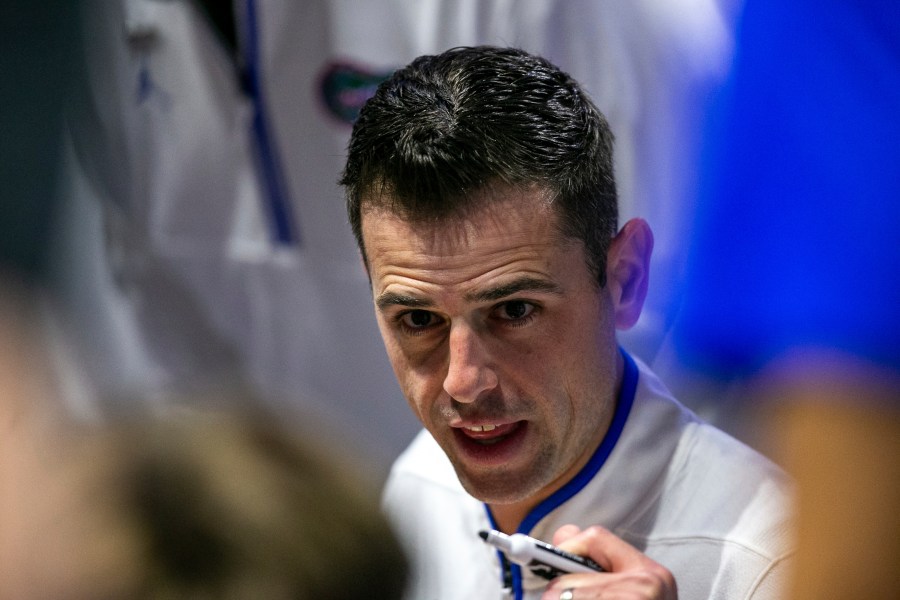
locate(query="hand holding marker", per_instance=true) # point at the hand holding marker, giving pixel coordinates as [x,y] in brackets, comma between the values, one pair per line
[541,558]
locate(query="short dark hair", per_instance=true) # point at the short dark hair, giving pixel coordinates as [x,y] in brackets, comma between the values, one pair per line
[451,124]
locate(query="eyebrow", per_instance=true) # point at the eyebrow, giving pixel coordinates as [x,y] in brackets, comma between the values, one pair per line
[391,299]
[523,284]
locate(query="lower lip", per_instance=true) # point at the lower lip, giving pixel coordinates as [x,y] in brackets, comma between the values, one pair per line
[490,451]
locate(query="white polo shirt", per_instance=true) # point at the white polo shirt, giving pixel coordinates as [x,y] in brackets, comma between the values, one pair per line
[707,507]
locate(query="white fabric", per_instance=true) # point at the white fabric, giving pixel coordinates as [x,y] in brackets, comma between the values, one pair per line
[702,504]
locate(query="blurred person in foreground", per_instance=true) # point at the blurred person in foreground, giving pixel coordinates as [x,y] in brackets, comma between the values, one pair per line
[794,285]
[481,194]
[220,504]
[195,504]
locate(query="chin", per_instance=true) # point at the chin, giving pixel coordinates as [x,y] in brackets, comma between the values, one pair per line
[499,488]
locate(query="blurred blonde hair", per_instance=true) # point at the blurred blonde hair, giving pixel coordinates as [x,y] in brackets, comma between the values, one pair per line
[201,504]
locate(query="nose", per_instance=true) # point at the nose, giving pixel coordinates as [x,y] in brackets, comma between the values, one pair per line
[470,371]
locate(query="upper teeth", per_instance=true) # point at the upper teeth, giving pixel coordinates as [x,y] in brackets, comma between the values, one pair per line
[482,428]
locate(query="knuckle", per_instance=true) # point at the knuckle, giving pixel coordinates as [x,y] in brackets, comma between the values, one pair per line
[594,532]
[663,580]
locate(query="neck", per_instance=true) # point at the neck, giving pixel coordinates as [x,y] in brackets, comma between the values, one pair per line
[509,516]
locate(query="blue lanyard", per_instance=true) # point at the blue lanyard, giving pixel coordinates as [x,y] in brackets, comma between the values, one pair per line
[281,218]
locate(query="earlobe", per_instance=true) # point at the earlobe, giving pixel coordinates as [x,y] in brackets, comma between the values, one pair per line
[628,271]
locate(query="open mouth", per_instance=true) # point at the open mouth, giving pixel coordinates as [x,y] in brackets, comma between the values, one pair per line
[488,433]
[491,443]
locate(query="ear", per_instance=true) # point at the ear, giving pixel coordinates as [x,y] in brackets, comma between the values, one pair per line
[628,271]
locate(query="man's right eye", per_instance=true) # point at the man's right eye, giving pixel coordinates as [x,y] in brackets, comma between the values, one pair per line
[418,319]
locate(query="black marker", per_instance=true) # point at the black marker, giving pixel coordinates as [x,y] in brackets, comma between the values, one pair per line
[540,557]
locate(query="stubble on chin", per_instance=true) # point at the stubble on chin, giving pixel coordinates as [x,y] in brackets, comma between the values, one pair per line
[508,486]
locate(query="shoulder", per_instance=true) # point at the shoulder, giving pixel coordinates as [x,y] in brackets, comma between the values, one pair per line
[721,514]
[712,485]
[716,485]
[422,480]
[438,524]
[704,457]
[423,463]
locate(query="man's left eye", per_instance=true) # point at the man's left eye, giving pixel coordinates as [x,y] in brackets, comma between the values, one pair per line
[514,310]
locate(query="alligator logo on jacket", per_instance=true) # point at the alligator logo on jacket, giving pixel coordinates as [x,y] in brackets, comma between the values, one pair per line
[345,87]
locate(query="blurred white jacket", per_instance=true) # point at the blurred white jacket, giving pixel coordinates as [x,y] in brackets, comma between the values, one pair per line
[174,271]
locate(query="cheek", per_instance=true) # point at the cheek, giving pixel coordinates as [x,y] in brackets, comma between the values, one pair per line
[422,392]
[584,359]
[420,381]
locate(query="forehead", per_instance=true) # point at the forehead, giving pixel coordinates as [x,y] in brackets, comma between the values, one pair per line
[513,231]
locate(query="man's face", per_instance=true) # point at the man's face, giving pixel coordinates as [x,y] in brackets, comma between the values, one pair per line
[501,339]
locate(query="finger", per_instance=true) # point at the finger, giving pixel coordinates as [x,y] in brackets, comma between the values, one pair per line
[584,585]
[555,590]
[610,551]
[629,565]
[564,533]
[642,584]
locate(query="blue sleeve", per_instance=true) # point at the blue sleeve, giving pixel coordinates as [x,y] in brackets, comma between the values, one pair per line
[796,241]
